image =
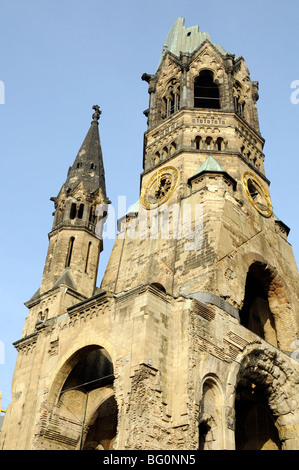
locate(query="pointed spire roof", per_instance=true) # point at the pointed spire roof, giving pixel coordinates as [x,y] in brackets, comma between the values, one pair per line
[66,279]
[88,166]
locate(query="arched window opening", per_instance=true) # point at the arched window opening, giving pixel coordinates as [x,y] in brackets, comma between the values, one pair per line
[256,314]
[219,144]
[94,369]
[164,153]
[156,158]
[86,412]
[73,211]
[198,142]
[91,215]
[171,99]
[87,257]
[255,426]
[210,419]
[172,147]
[159,286]
[206,91]
[69,252]
[208,143]
[80,211]
[239,101]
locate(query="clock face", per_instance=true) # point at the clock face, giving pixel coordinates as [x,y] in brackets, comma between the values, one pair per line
[257,194]
[160,187]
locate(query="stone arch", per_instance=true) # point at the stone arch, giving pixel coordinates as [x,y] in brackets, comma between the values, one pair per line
[278,297]
[101,424]
[81,398]
[210,420]
[70,357]
[170,100]
[268,370]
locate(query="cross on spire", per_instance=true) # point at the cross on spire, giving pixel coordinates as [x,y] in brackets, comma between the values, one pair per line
[97,113]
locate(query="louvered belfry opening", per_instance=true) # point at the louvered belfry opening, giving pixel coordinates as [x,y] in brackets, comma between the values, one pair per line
[206,91]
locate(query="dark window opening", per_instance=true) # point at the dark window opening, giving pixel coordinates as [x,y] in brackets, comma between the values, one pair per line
[91,215]
[69,253]
[172,148]
[239,102]
[209,142]
[206,92]
[197,142]
[171,100]
[73,211]
[256,314]
[219,144]
[164,153]
[159,286]
[87,256]
[80,211]
[92,371]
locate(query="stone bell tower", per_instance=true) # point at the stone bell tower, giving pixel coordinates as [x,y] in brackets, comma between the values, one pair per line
[191,342]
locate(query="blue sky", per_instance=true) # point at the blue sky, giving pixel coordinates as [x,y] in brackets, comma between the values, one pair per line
[58,58]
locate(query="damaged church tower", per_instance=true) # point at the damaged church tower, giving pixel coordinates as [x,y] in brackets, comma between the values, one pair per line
[190,343]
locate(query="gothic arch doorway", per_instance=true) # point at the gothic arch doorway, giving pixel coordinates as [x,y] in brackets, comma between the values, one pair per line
[84,413]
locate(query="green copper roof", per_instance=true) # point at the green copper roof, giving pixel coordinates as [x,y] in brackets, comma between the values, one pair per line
[210,165]
[133,209]
[183,39]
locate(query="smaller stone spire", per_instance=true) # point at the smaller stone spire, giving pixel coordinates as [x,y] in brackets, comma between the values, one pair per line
[88,166]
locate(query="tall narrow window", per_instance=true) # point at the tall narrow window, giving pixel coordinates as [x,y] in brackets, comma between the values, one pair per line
[171,99]
[206,92]
[256,314]
[73,211]
[219,143]
[87,256]
[164,153]
[69,252]
[197,142]
[80,211]
[209,143]
[172,148]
